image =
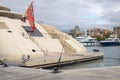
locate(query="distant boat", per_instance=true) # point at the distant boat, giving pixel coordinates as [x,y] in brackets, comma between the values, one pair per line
[110,42]
[87,40]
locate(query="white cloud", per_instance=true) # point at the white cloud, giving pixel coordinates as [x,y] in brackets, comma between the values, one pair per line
[70,12]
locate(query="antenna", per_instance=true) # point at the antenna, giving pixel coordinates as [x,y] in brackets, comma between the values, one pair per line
[85,32]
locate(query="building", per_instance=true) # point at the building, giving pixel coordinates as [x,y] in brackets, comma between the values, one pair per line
[100,34]
[94,32]
[75,32]
[117,31]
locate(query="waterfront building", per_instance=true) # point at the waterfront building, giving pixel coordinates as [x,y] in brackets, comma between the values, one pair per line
[94,32]
[101,33]
[117,32]
[75,32]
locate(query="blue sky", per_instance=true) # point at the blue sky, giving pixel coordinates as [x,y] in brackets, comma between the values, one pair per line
[66,14]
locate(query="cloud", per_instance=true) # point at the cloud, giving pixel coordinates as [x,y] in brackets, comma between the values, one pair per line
[63,12]
[68,13]
[16,5]
[110,10]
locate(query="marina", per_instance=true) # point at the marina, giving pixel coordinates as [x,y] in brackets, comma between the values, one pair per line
[38,50]
[31,44]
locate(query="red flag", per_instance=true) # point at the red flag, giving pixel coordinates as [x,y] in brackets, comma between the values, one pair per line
[30,16]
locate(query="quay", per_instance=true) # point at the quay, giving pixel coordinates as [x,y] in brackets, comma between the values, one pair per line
[19,73]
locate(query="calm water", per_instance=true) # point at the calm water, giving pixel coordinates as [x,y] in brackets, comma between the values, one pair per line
[111,58]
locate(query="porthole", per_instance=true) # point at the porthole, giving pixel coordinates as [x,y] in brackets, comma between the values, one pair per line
[10,31]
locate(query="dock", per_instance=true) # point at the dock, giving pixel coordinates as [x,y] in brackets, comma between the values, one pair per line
[19,73]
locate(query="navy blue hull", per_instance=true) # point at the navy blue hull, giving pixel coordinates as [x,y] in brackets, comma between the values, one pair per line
[110,43]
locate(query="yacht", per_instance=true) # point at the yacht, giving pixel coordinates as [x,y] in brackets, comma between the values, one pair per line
[87,40]
[24,42]
[110,42]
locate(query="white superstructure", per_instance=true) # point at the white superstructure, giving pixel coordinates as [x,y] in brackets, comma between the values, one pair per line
[86,40]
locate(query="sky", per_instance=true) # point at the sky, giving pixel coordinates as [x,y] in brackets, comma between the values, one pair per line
[65,14]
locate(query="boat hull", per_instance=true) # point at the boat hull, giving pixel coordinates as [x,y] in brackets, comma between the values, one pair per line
[89,43]
[110,43]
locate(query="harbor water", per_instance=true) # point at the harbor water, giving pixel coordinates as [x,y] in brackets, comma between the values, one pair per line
[111,58]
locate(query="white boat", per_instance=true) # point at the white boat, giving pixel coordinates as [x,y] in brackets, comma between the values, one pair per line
[28,45]
[87,40]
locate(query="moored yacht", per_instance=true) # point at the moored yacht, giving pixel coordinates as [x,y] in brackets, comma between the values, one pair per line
[27,43]
[87,40]
[110,42]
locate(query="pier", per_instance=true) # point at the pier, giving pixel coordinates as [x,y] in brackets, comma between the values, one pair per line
[18,73]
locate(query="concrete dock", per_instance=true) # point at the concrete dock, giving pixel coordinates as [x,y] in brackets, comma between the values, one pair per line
[19,73]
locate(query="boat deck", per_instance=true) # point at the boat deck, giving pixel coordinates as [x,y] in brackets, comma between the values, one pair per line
[63,59]
[51,60]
